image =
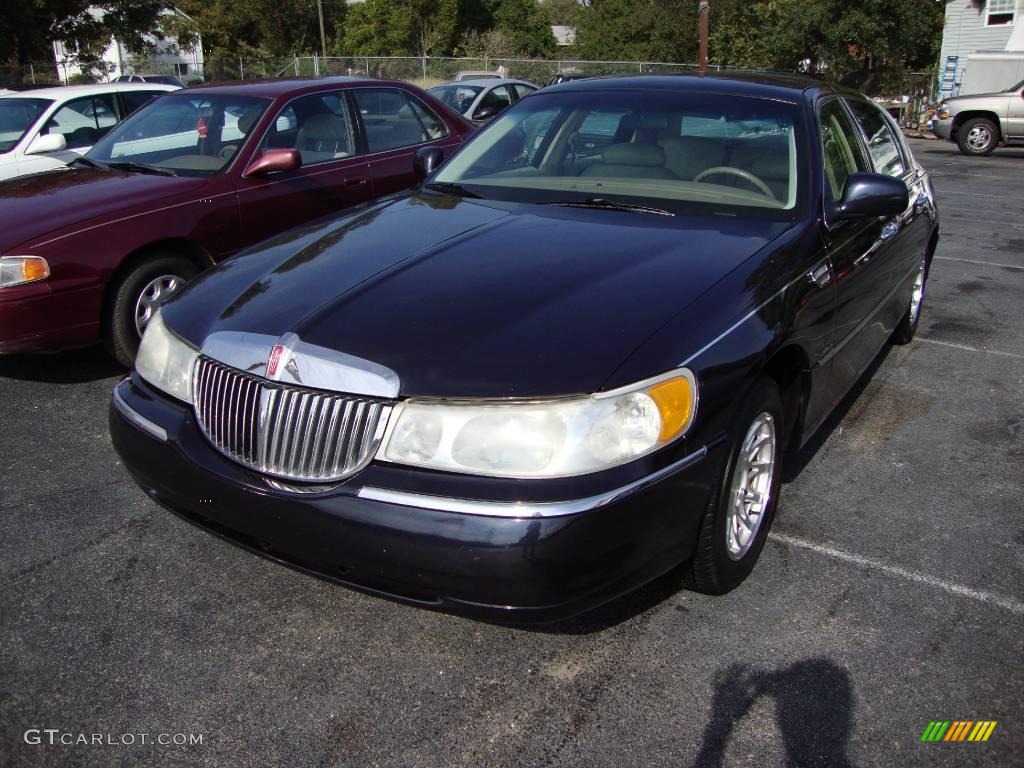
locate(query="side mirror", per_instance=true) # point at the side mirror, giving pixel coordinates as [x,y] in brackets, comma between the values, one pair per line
[426,161]
[273,160]
[486,113]
[872,194]
[47,142]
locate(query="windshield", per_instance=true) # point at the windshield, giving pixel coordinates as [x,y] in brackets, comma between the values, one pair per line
[708,153]
[191,134]
[17,115]
[458,97]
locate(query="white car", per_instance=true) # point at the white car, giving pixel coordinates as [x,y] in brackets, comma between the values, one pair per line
[480,100]
[46,128]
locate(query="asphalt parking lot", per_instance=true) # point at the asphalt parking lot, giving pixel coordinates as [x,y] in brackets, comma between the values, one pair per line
[891,593]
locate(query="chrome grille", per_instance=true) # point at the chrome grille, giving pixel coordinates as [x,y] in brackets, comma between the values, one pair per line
[284,431]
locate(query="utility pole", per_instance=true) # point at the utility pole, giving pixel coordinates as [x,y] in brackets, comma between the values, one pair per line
[702,37]
[323,37]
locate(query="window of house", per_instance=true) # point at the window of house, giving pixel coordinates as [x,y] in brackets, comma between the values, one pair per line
[999,12]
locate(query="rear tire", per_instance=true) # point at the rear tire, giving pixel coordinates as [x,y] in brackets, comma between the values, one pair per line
[978,136]
[136,296]
[905,331]
[742,507]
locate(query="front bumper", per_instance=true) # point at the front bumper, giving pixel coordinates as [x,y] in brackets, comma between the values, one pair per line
[494,566]
[34,318]
[943,128]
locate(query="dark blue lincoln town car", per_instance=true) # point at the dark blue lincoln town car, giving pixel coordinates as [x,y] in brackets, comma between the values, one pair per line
[573,359]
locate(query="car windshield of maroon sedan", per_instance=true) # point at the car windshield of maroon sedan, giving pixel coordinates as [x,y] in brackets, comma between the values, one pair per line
[638,149]
[17,115]
[187,134]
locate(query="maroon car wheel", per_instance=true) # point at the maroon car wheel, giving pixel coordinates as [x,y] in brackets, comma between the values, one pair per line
[137,296]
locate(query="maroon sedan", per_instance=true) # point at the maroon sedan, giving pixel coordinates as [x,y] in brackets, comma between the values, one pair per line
[89,252]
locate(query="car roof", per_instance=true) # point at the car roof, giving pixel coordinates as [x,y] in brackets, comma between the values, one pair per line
[776,85]
[290,85]
[61,92]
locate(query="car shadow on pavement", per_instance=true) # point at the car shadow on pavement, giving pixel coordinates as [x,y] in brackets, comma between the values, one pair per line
[813,711]
[75,366]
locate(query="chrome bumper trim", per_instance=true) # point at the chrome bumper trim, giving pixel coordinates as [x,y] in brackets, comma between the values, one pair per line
[527,509]
[137,418]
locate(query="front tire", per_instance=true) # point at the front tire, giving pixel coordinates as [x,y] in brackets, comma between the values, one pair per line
[740,514]
[978,136]
[907,328]
[137,296]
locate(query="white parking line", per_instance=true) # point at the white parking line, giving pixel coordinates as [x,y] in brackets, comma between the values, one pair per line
[1001,601]
[975,261]
[968,348]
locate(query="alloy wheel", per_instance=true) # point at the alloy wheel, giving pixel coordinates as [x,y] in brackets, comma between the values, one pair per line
[751,485]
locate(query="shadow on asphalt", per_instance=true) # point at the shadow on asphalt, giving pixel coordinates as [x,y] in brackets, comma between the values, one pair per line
[72,367]
[813,710]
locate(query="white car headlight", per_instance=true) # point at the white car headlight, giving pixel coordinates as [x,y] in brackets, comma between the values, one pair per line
[165,361]
[543,438]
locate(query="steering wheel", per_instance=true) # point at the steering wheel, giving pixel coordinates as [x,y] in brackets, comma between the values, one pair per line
[745,175]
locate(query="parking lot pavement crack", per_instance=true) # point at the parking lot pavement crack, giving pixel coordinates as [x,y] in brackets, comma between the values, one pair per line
[139,522]
[1004,602]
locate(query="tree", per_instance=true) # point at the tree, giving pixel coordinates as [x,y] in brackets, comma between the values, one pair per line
[638,30]
[28,27]
[525,23]
[401,27]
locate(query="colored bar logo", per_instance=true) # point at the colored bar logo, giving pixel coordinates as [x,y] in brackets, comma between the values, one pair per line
[958,730]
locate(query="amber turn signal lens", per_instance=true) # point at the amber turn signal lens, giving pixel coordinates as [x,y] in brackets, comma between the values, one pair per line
[675,402]
[15,270]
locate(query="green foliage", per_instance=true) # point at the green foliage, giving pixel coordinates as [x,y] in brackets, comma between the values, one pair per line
[638,30]
[28,27]
[525,23]
[401,28]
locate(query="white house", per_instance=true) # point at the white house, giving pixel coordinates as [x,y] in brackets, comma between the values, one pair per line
[974,26]
[167,56]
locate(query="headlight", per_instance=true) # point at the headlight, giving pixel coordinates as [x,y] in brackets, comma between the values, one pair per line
[544,438]
[165,361]
[944,111]
[17,270]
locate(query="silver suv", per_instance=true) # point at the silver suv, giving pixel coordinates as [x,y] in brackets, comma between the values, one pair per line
[978,123]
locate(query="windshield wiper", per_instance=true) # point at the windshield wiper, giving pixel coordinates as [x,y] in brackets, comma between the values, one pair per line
[611,205]
[86,162]
[142,168]
[453,188]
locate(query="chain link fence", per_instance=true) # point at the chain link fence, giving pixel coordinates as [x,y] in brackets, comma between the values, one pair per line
[431,70]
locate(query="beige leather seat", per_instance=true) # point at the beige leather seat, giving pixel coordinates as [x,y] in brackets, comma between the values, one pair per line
[635,161]
[323,137]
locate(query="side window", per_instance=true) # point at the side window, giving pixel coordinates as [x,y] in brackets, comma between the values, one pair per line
[318,125]
[388,119]
[882,143]
[499,98]
[133,100]
[841,150]
[523,90]
[84,121]
[432,124]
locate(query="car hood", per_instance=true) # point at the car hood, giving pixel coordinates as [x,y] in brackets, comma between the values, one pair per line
[32,207]
[467,298]
[959,102]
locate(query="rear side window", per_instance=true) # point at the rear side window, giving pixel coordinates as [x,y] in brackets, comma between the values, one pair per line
[389,119]
[84,121]
[840,146]
[133,100]
[882,143]
[522,91]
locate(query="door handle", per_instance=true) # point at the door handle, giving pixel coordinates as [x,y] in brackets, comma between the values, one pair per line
[820,276]
[891,228]
[353,182]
